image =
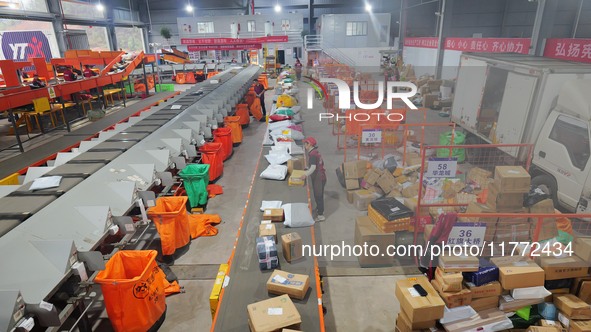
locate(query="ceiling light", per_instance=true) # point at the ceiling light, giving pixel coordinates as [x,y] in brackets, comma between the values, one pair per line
[277,8]
[368,7]
[100,7]
[189,8]
[12,5]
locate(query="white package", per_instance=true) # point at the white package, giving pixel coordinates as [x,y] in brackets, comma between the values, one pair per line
[274,172]
[456,314]
[46,182]
[527,293]
[277,159]
[270,205]
[297,215]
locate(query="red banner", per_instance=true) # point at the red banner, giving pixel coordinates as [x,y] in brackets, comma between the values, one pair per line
[423,42]
[489,45]
[231,41]
[578,50]
[195,48]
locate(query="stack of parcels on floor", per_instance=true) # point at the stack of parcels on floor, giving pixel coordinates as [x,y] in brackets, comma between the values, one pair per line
[435,94]
[550,294]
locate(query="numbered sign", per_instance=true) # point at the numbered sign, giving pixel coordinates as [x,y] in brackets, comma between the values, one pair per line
[371,136]
[471,234]
[442,168]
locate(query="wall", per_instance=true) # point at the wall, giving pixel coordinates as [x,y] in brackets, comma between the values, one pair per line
[422,59]
[333,30]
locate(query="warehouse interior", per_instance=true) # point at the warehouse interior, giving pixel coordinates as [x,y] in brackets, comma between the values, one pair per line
[295,165]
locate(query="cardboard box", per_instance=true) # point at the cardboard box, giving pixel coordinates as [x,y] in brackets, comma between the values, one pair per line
[294,285]
[355,169]
[214,296]
[458,263]
[267,253]
[551,323]
[518,272]
[362,198]
[350,196]
[485,303]
[512,179]
[511,231]
[275,215]
[585,292]
[429,99]
[480,176]
[543,329]
[413,159]
[367,233]
[404,323]
[563,268]
[453,299]
[291,244]
[412,202]
[582,248]
[352,184]
[487,290]
[268,230]
[411,191]
[572,307]
[372,176]
[295,163]
[387,182]
[475,207]
[548,229]
[419,308]
[295,179]
[580,326]
[557,291]
[577,283]
[499,201]
[273,314]
[450,282]
[290,330]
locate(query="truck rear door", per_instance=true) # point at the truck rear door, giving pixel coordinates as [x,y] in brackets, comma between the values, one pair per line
[563,151]
[470,87]
[517,99]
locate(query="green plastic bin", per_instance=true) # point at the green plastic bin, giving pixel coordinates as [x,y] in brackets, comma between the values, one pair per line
[196,178]
[445,139]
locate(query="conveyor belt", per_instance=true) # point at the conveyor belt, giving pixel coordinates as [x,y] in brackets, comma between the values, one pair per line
[28,158]
[247,283]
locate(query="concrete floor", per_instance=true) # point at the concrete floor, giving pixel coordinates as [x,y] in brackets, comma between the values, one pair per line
[349,290]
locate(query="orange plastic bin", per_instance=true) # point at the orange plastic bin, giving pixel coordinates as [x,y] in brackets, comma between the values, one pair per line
[224,136]
[242,112]
[234,123]
[172,222]
[133,291]
[213,156]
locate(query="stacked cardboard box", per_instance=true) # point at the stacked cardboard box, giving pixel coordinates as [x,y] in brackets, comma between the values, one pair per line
[573,313]
[420,306]
[449,280]
[435,93]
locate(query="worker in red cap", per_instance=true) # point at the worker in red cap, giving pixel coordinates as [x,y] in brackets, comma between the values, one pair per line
[317,175]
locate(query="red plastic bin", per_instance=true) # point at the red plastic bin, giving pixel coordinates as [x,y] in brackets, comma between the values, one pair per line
[224,136]
[234,123]
[213,156]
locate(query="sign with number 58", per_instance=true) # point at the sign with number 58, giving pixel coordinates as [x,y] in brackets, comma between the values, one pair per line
[442,168]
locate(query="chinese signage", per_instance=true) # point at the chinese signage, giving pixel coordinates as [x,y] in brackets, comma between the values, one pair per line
[578,50]
[489,45]
[480,45]
[231,41]
[196,48]
[442,168]
[471,234]
[371,136]
[424,42]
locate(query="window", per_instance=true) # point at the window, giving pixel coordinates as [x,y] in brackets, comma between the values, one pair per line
[573,134]
[251,26]
[97,36]
[205,27]
[225,54]
[81,9]
[130,39]
[285,25]
[356,28]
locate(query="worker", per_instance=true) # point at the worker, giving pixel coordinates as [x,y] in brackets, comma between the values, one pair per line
[88,73]
[37,83]
[69,75]
[317,175]
[298,69]
[234,60]
[259,90]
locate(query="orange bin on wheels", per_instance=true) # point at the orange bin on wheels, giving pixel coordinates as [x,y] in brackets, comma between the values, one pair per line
[224,136]
[234,123]
[133,290]
[213,156]
[170,217]
[264,79]
[242,112]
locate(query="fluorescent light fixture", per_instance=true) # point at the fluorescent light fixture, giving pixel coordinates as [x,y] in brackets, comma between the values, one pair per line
[277,8]
[368,7]
[100,7]
[189,8]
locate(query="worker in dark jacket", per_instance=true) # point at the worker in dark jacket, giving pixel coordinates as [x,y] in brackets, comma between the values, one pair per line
[317,175]
[88,73]
[69,75]
[259,90]
[37,83]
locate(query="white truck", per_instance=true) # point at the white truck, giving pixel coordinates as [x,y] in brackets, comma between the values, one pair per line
[511,99]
